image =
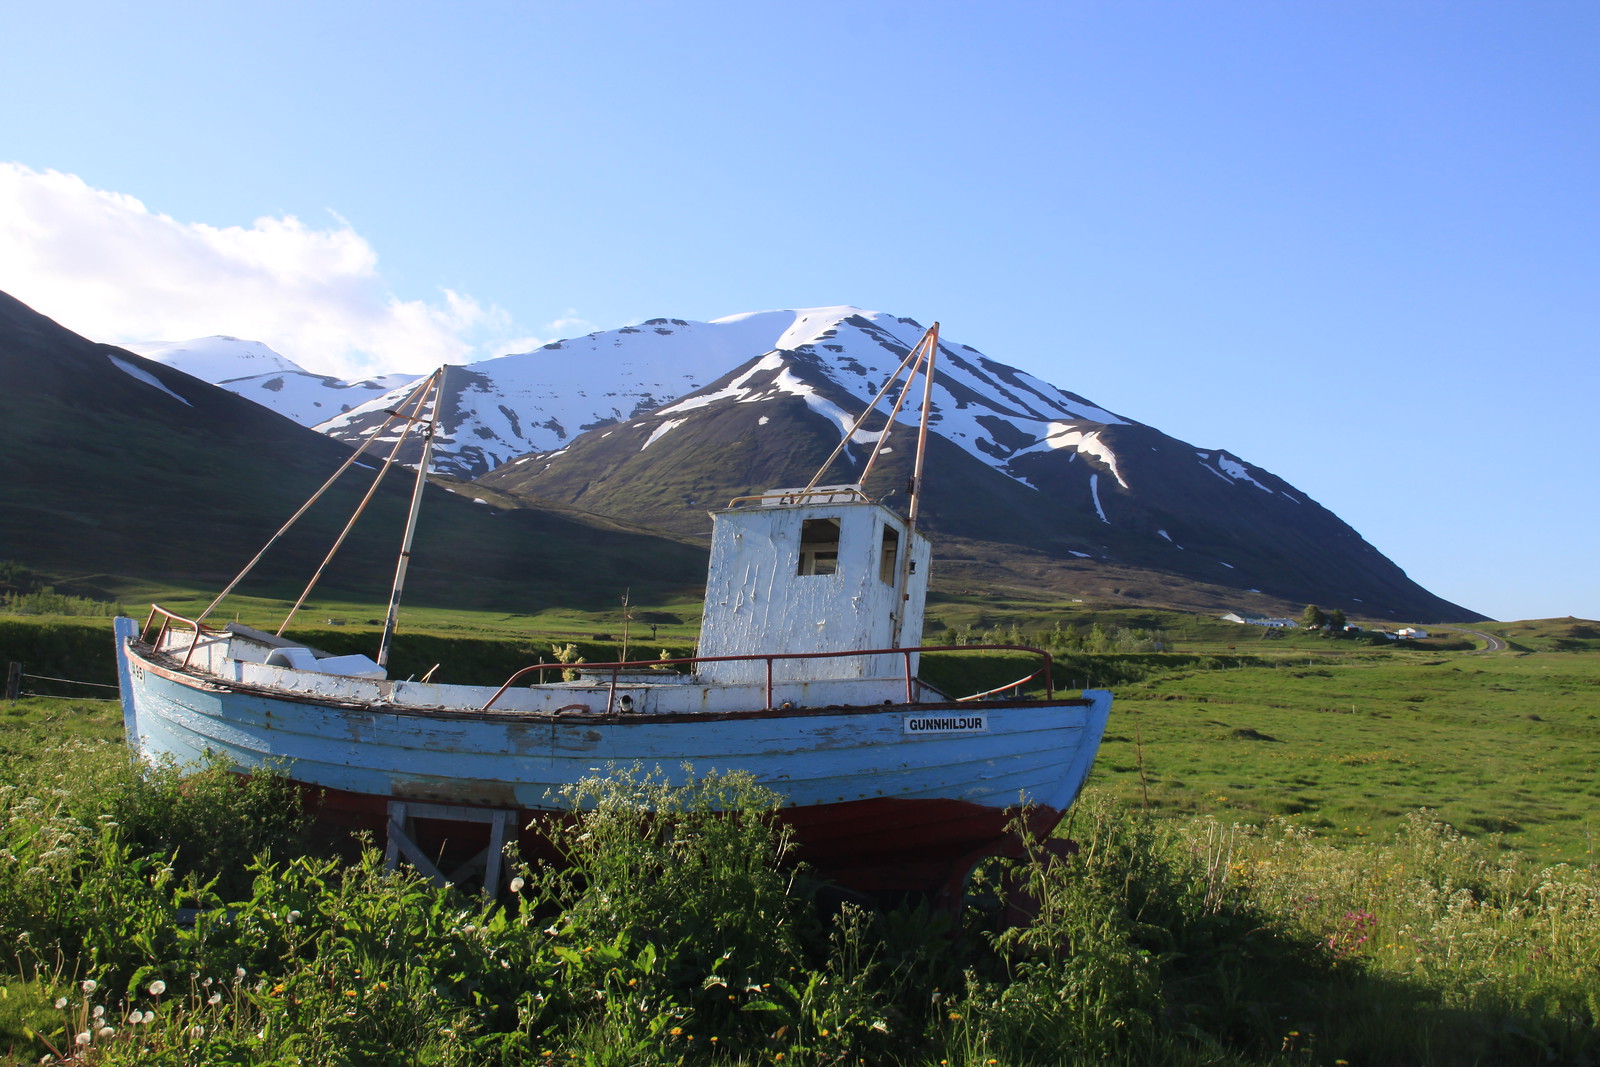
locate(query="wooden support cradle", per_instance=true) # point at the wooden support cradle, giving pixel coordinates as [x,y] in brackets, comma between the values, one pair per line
[489,862]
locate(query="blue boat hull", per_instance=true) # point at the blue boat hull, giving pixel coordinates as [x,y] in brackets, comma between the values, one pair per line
[880,796]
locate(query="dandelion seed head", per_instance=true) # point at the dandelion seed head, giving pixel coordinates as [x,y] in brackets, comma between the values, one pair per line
[214,999]
[89,985]
[105,1032]
[517,884]
[157,988]
[61,1002]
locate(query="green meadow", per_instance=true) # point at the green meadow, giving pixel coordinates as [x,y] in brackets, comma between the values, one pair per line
[1294,850]
[1500,745]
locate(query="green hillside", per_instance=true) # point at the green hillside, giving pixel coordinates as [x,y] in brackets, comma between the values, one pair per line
[179,483]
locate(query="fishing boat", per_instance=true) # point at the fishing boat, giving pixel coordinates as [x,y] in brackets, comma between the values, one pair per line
[806,677]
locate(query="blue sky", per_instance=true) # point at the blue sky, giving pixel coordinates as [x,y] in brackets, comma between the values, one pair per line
[1354,243]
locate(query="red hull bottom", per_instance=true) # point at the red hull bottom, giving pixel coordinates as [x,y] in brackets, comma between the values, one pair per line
[877,846]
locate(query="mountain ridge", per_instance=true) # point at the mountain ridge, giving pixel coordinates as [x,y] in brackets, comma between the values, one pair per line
[116,463]
[656,422]
[256,372]
[1019,470]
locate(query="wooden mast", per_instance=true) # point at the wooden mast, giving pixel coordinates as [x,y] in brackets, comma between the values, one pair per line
[393,615]
[903,584]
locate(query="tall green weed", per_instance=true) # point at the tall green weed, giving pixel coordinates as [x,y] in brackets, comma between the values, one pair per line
[155,917]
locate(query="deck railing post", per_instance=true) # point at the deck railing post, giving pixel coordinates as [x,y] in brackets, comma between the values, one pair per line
[14,681]
[769,683]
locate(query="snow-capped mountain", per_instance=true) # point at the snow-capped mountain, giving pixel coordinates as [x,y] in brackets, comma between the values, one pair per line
[256,372]
[535,401]
[1024,477]
[1028,484]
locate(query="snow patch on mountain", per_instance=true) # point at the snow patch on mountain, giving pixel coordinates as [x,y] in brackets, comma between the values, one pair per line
[1085,442]
[1231,469]
[1235,470]
[144,376]
[661,431]
[1094,492]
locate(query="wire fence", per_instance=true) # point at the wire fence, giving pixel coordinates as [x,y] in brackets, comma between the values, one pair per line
[15,676]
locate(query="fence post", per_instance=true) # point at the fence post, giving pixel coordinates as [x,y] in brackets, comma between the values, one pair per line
[13,681]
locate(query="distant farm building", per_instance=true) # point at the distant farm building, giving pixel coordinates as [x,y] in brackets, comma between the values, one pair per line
[1252,619]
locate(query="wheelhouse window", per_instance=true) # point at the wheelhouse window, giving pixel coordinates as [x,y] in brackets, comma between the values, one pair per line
[889,555]
[819,546]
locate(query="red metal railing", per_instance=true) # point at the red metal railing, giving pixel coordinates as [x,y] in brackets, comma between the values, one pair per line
[167,619]
[768,657]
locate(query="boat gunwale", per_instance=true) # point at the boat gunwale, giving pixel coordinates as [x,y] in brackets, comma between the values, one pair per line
[199,680]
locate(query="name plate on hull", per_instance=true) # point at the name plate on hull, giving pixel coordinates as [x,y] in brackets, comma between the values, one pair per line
[947,724]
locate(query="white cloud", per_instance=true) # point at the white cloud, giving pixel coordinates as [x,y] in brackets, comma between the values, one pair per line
[572,325]
[104,265]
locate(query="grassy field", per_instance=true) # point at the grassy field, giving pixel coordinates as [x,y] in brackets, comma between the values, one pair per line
[1293,850]
[1342,737]
[682,939]
[1497,744]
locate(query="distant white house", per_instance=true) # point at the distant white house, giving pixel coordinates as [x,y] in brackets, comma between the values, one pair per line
[1252,619]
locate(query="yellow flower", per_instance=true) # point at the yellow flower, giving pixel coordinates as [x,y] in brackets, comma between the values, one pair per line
[955,1016]
[676,1031]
